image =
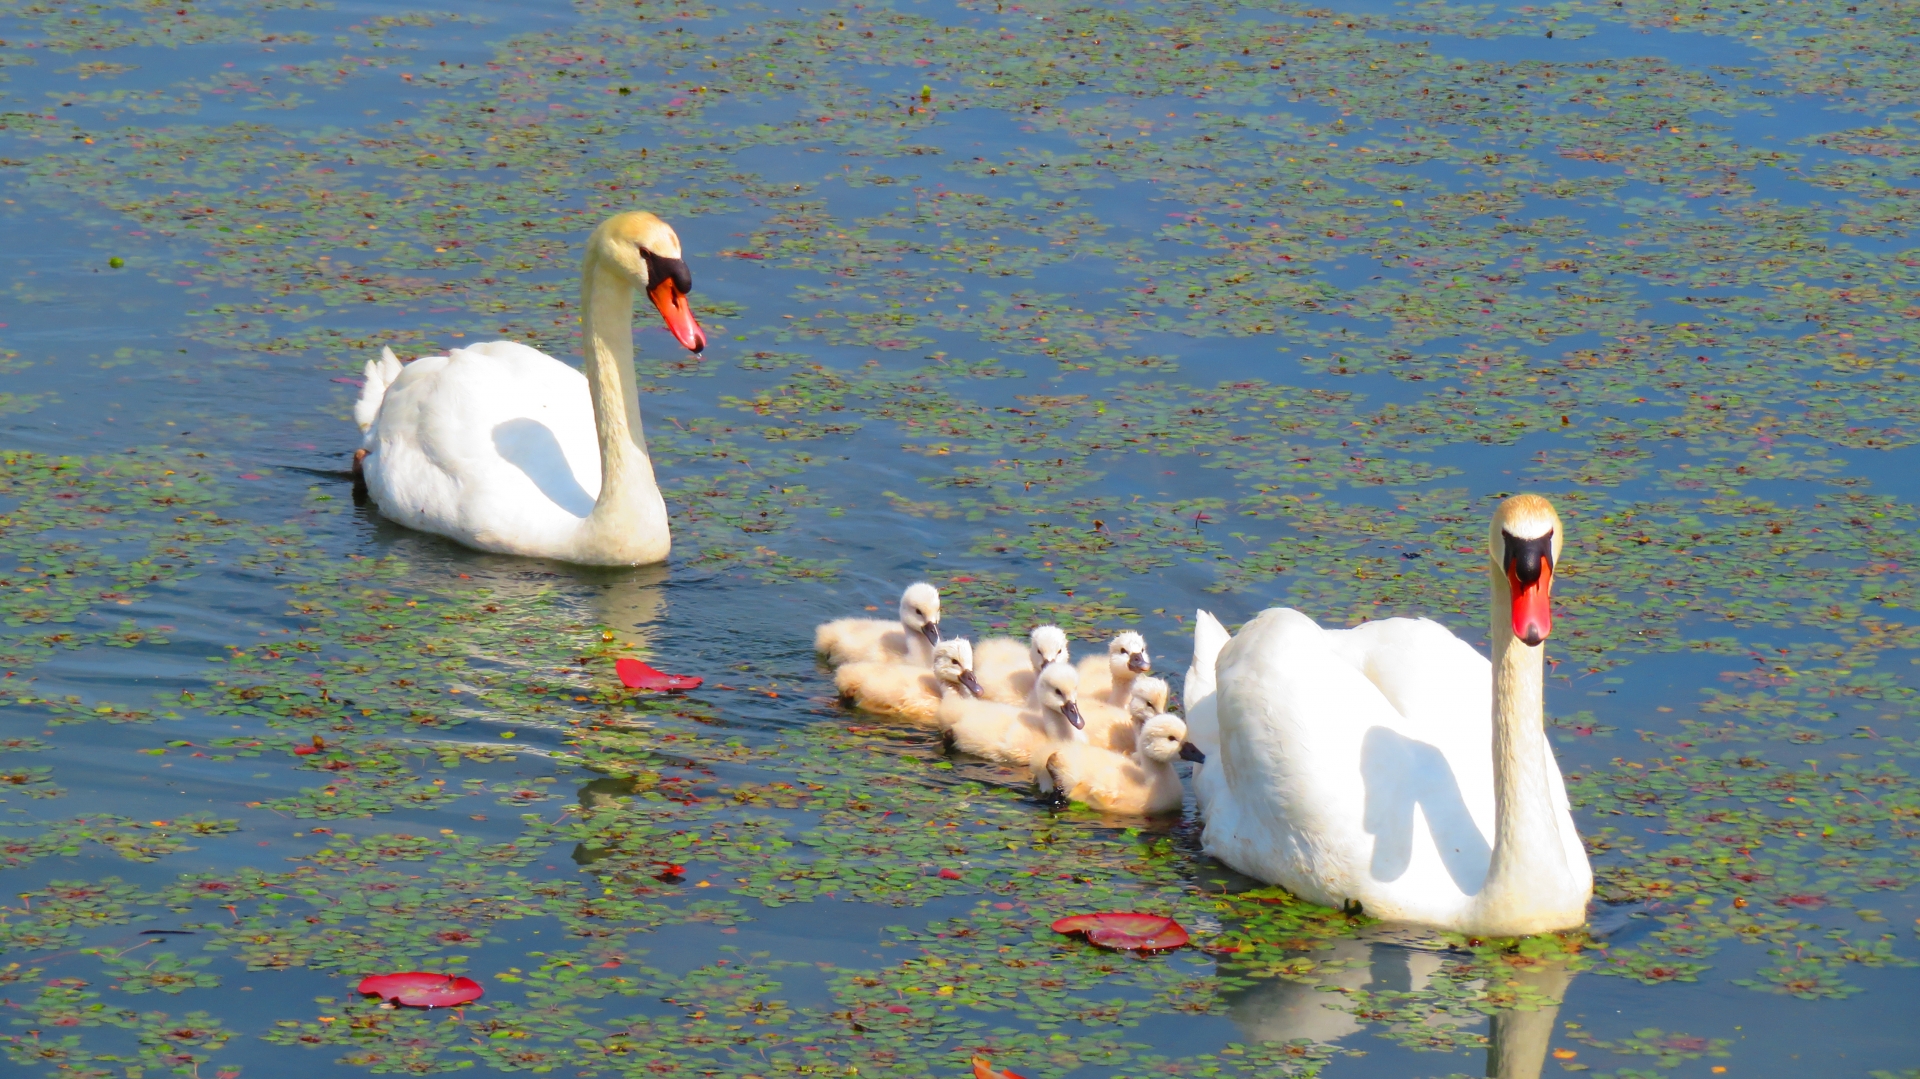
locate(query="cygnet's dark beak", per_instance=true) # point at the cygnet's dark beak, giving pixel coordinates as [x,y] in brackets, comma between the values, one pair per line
[971,684]
[1191,752]
[1138,663]
[931,631]
[1071,710]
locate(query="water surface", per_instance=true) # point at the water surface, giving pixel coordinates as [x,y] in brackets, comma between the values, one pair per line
[1091,314]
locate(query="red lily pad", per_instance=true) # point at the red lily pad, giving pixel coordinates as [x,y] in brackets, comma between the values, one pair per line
[421,990]
[1125,930]
[637,675]
[984,1069]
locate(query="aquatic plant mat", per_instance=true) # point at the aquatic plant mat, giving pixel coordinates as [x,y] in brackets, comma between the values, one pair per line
[1093,313]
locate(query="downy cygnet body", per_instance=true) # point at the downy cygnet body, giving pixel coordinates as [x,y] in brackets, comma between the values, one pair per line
[1120,731]
[1110,677]
[904,691]
[1001,732]
[876,640]
[1143,783]
[1007,667]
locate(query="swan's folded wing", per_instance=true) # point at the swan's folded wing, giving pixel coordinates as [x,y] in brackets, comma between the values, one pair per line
[1427,674]
[1293,721]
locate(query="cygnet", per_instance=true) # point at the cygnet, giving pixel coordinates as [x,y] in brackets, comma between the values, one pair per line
[1119,729]
[1110,677]
[876,640]
[1007,667]
[905,691]
[1001,732]
[1141,784]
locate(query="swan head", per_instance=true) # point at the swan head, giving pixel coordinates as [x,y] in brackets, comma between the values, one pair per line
[920,611]
[1147,698]
[953,665]
[1524,547]
[1057,689]
[1128,654]
[1163,740]
[646,251]
[1047,645]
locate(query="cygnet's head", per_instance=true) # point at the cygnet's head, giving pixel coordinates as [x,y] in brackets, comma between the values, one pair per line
[1164,740]
[1147,698]
[953,665]
[1128,654]
[1048,644]
[920,611]
[1057,689]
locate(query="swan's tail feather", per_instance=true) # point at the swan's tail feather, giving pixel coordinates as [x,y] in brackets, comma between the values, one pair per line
[380,375]
[1203,710]
[1209,637]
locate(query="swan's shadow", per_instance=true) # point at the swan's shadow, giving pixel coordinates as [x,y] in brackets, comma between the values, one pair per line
[1401,773]
[530,446]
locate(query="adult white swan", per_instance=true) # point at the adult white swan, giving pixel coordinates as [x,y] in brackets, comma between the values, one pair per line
[1393,766]
[504,448]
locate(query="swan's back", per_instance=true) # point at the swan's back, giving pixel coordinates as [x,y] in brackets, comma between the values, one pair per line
[496,439]
[1428,674]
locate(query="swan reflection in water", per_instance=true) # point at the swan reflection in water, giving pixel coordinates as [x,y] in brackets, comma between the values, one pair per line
[1277,1010]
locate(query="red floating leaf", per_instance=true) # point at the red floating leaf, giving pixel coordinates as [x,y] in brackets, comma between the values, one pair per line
[899,1009]
[984,1069]
[1125,930]
[949,874]
[319,746]
[637,675]
[421,990]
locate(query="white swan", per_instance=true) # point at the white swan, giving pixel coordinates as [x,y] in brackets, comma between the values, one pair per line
[1392,765]
[504,448]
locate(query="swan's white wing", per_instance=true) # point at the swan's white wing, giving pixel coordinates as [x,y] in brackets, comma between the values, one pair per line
[1441,686]
[1333,792]
[1293,721]
[493,445]
[1428,674]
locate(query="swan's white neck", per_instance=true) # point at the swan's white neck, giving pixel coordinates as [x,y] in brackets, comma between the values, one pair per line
[1528,878]
[629,519]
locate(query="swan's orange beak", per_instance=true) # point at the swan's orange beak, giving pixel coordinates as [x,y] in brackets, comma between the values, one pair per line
[672,303]
[1530,583]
